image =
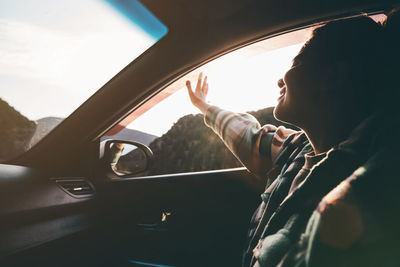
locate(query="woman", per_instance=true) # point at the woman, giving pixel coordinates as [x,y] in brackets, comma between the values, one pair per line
[314,210]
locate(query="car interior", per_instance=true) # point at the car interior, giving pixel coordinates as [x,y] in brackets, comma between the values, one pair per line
[62,202]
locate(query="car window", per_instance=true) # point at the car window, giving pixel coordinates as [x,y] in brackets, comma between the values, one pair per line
[55,54]
[242,81]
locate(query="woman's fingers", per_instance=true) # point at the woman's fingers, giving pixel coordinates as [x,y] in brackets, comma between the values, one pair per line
[204,83]
[189,87]
[198,86]
[201,89]
[198,96]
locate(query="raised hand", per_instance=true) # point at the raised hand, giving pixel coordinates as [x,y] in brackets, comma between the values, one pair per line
[199,95]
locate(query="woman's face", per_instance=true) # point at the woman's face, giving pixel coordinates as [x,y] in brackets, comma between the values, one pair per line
[301,91]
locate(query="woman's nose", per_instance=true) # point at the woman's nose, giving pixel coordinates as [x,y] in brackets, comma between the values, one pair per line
[281,83]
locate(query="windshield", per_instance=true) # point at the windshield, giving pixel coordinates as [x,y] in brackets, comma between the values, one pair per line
[56,54]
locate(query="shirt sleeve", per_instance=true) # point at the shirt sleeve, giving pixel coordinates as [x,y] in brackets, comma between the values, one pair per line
[255,146]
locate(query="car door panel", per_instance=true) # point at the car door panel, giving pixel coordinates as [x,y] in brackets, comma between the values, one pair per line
[205,219]
[208,216]
[34,210]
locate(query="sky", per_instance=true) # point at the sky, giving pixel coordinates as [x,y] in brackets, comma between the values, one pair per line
[55,55]
[239,82]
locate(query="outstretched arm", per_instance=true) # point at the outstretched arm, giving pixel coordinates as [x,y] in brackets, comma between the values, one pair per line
[255,146]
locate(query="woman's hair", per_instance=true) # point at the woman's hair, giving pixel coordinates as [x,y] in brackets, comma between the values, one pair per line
[391,29]
[356,45]
[392,57]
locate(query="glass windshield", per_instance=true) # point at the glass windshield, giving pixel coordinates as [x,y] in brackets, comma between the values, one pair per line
[55,54]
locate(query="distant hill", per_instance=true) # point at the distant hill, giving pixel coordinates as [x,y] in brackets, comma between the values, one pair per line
[132,135]
[44,126]
[191,146]
[15,132]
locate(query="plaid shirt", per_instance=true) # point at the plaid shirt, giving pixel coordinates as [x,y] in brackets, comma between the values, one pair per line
[256,147]
[332,218]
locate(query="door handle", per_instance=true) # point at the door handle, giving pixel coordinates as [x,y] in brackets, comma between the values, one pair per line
[158,226]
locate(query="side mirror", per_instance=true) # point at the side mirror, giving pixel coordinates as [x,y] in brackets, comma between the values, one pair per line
[127,158]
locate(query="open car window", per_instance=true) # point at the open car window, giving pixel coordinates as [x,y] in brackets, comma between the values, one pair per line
[242,81]
[55,54]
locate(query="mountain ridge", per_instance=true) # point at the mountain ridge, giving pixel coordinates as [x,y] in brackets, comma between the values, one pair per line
[191,146]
